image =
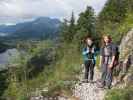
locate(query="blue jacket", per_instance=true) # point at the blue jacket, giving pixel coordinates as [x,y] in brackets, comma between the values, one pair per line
[85,53]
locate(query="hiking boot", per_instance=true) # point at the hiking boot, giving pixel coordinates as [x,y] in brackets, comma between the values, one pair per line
[85,81]
[107,87]
[91,81]
[100,85]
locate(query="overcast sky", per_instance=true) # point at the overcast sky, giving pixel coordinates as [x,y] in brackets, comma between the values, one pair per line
[13,11]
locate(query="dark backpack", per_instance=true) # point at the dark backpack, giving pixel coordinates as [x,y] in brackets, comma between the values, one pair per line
[116,62]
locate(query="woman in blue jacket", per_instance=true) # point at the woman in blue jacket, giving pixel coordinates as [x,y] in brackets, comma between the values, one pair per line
[89,55]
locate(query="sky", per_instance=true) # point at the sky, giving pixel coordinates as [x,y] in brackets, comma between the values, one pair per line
[14,11]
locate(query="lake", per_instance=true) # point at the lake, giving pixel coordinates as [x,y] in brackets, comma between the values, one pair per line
[6,57]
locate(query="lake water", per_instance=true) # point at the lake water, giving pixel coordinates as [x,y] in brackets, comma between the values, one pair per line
[6,57]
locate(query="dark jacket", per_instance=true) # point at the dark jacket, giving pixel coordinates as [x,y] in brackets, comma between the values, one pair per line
[87,51]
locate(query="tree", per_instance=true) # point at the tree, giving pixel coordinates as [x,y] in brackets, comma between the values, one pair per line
[64,30]
[87,20]
[112,16]
[86,25]
[114,11]
[68,29]
[72,27]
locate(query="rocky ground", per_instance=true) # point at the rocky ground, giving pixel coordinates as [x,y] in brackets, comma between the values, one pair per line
[89,91]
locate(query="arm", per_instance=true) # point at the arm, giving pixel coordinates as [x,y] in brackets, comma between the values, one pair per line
[113,59]
[112,62]
[85,51]
[100,62]
[113,56]
[96,51]
[101,57]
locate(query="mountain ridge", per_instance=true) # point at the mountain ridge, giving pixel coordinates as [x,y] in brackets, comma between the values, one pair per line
[40,27]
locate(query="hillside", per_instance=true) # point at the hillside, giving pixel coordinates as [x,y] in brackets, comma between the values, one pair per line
[116,18]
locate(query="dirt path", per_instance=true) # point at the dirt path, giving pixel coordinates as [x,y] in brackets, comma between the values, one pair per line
[89,91]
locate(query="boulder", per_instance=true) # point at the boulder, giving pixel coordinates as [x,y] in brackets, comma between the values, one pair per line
[126,56]
[126,46]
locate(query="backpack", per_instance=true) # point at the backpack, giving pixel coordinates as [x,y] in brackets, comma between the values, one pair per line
[116,62]
[109,51]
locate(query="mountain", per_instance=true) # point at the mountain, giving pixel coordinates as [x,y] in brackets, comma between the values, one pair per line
[42,27]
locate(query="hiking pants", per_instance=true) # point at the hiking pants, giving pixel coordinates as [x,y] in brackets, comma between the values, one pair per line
[89,69]
[106,75]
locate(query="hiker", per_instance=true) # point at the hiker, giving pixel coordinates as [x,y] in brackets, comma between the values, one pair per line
[89,55]
[108,56]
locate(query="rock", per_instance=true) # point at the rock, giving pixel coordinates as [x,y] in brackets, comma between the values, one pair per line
[126,46]
[126,55]
[128,79]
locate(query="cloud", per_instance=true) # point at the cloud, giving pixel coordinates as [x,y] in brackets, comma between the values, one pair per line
[20,10]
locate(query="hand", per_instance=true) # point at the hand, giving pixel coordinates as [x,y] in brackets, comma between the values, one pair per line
[87,50]
[110,66]
[100,64]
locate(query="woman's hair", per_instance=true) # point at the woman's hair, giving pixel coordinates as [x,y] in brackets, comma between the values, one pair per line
[87,37]
[108,36]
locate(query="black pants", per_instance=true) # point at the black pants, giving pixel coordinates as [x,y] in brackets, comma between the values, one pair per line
[89,69]
[106,75]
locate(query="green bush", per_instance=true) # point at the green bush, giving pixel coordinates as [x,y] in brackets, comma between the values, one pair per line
[59,75]
[120,94]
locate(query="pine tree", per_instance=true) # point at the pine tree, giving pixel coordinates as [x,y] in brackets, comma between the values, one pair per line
[72,27]
[64,30]
[87,21]
[112,16]
[68,29]
[114,11]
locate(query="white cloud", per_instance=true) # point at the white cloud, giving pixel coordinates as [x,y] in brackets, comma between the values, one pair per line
[19,10]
